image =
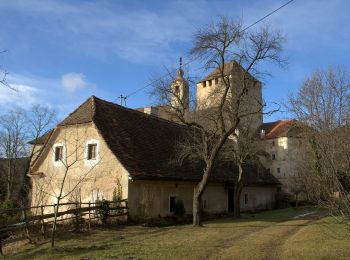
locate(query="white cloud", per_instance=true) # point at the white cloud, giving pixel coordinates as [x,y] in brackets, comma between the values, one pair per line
[23,95]
[33,90]
[73,81]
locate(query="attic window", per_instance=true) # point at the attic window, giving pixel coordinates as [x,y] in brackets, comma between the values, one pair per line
[204,84]
[58,153]
[91,154]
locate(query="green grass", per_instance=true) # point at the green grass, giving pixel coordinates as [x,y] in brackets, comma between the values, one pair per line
[266,235]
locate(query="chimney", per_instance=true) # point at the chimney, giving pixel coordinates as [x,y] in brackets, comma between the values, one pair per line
[151,111]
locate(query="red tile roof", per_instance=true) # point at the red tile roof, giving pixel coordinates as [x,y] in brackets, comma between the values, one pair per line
[281,128]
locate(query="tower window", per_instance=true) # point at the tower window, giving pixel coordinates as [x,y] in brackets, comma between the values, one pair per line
[210,83]
[58,153]
[176,89]
[273,157]
[278,170]
[91,155]
[204,84]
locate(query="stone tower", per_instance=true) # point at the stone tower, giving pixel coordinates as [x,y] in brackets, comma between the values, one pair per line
[180,91]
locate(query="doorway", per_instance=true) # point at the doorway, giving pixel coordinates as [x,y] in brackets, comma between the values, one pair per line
[230,195]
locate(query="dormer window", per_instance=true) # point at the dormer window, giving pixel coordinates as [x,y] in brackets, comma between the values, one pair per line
[58,153]
[91,154]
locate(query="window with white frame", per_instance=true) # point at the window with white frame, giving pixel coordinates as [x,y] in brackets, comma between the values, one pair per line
[58,154]
[92,152]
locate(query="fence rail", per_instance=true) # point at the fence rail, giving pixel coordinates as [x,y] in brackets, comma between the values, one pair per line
[38,217]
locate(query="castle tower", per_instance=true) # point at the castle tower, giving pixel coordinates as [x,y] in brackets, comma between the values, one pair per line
[180,91]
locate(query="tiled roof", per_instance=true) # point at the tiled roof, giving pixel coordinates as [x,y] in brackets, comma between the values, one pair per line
[41,140]
[145,144]
[282,128]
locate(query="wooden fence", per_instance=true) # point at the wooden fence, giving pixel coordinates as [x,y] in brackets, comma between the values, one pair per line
[41,217]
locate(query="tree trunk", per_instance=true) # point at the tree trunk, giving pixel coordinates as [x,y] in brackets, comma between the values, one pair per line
[9,179]
[237,199]
[237,193]
[53,232]
[197,198]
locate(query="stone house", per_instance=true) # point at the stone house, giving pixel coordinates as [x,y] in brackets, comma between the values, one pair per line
[284,142]
[102,146]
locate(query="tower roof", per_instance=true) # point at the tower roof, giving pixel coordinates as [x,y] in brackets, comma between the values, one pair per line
[229,68]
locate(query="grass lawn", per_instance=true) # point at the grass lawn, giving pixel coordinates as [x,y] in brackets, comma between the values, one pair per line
[272,234]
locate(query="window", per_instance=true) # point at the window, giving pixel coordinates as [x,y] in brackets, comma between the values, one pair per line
[278,170]
[91,154]
[216,81]
[177,90]
[273,143]
[246,198]
[273,157]
[210,82]
[204,84]
[204,204]
[172,202]
[58,153]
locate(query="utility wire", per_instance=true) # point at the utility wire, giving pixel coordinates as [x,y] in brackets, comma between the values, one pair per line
[195,58]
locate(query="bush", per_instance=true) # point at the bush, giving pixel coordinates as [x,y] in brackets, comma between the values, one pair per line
[104,211]
[179,208]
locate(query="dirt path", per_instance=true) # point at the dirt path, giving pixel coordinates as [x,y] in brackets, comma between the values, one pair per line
[264,242]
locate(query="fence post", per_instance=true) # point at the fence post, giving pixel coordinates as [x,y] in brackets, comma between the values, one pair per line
[89,217]
[26,223]
[43,231]
[76,217]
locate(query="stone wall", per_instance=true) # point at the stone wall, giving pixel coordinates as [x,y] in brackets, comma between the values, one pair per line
[151,199]
[86,180]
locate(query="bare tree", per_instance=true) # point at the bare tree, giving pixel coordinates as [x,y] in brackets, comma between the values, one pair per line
[17,127]
[244,148]
[322,106]
[212,123]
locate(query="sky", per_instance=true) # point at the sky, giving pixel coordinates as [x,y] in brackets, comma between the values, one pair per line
[58,53]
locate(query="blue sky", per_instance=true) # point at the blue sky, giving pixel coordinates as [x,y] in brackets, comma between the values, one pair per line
[61,52]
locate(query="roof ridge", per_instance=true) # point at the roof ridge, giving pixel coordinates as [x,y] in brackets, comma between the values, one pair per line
[93,106]
[140,113]
[75,110]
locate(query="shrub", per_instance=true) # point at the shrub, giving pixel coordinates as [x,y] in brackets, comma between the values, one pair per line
[104,211]
[179,208]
